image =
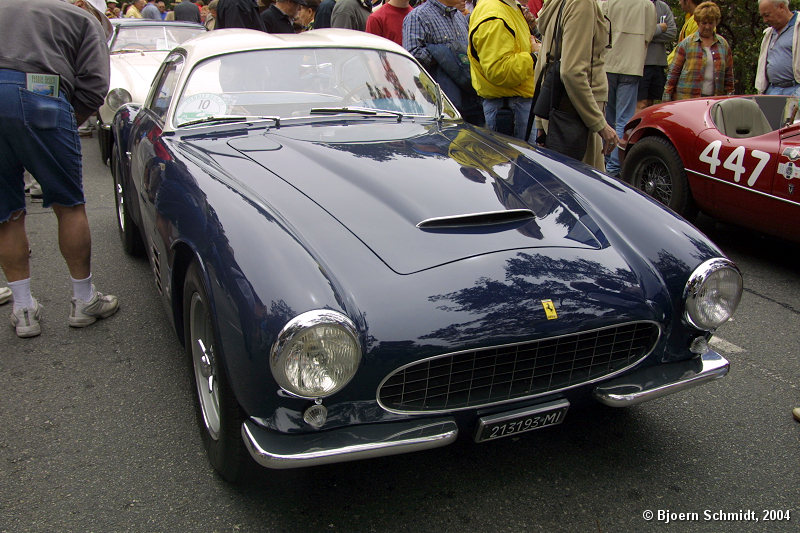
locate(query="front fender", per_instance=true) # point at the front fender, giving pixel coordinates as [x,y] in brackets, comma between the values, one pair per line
[678,122]
[259,270]
[649,235]
[121,132]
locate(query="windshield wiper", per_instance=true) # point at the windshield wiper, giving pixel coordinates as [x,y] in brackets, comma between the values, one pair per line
[128,50]
[357,110]
[229,118]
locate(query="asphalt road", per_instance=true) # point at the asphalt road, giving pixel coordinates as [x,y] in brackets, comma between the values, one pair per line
[97,429]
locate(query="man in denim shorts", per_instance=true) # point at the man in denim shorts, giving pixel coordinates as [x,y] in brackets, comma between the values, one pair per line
[54,72]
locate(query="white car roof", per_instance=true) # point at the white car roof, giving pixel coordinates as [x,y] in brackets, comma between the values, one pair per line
[225,41]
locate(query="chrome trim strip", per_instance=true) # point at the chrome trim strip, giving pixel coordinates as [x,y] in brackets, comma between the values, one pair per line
[521,398]
[281,451]
[655,382]
[488,218]
[748,189]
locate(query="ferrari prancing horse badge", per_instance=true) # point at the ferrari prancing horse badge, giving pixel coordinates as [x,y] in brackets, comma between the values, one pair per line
[549,309]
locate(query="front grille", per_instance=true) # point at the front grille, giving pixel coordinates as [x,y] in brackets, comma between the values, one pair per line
[492,375]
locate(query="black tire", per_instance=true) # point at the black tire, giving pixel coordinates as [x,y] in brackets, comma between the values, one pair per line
[219,415]
[129,232]
[654,166]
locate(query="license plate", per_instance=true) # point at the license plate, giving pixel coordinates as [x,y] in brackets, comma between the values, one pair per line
[521,420]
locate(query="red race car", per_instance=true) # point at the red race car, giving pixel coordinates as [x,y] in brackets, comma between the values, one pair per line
[736,158]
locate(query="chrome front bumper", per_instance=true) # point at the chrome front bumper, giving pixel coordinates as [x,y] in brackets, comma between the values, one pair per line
[654,382]
[274,450]
[280,451]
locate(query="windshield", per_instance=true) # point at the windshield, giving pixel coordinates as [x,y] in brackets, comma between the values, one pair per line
[153,38]
[290,83]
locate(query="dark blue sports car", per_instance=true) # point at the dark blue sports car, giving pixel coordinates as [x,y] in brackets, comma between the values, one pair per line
[355,272]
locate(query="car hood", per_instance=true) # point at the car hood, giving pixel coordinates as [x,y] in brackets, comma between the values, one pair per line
[383,180]
[134,71]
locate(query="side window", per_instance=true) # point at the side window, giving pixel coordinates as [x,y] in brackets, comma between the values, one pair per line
[165,87]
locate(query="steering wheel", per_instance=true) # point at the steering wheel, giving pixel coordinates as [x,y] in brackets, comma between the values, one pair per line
[358,94]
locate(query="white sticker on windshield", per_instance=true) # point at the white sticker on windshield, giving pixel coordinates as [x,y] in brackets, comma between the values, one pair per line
[199,106]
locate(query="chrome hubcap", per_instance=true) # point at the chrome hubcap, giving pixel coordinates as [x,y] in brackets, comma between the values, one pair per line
[205,364]
[120,207]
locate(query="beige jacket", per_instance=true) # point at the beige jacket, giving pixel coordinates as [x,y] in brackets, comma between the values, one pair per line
[583,50]
[633,23]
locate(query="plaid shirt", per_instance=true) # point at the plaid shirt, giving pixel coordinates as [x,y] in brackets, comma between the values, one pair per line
[686,73]
[433,23]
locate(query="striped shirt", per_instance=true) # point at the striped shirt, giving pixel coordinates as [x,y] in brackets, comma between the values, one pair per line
[686,74]
[433,23]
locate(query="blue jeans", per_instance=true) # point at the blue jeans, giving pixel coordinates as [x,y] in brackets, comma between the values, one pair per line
[623,90]
[793,90]
[37,133]
[519,105]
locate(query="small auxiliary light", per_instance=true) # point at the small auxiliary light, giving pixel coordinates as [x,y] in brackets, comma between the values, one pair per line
[316,415]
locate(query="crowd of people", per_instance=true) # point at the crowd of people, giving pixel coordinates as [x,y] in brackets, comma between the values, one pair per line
[150,9]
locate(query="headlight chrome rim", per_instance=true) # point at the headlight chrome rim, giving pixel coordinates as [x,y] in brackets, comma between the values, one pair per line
[694,291]
[118,97]
[293,331]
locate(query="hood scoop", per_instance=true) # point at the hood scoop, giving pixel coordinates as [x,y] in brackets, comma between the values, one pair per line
[422,195]
[491,218]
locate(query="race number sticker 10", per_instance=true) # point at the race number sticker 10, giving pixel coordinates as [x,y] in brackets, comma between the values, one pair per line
[199,106]
[734,162]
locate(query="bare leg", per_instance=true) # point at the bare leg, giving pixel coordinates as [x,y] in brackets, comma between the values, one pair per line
[14,248]
[74,239]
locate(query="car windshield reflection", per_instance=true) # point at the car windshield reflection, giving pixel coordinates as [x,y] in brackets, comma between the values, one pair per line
[299,82]
[152,38]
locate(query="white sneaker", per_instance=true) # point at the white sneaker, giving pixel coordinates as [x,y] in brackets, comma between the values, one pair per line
[26,320]
[36,191]
[5,295]
[84,314]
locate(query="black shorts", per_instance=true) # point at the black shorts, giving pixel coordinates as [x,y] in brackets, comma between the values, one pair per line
[651,86]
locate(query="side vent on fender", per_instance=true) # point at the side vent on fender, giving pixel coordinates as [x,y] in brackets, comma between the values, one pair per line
[157,268]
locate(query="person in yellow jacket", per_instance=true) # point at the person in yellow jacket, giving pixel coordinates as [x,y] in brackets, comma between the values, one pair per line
[501,56]
[689,25]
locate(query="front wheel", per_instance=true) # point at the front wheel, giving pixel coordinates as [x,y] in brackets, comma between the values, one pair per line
[219,415]
[654,166]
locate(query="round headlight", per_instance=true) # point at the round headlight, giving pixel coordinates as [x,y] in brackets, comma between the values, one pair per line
[316,354]
[712,293]
[116,98]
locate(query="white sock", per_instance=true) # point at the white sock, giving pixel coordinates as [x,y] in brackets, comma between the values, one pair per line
[82,288]
[22,293]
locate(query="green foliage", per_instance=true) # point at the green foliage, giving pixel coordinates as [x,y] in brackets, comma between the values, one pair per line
[742,26]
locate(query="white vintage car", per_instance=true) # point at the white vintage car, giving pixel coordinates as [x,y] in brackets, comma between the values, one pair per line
[137,48]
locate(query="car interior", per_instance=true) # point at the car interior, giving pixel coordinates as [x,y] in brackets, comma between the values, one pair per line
[740,118]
